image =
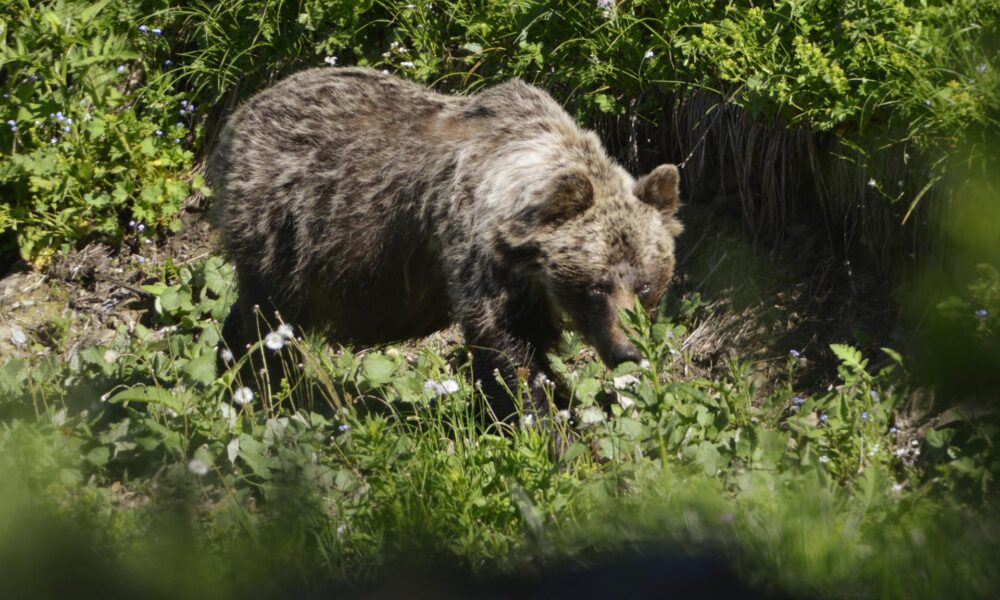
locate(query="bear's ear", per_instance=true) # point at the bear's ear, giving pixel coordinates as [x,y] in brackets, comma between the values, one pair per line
[660,188]
[568,194]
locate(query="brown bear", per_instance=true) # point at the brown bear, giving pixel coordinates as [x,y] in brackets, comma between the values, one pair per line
[372,209]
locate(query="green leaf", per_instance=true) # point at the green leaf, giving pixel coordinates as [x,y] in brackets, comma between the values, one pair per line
[149,395]
[201,368]
[377,369]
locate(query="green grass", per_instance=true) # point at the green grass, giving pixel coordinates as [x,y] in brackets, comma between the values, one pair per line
[358,465]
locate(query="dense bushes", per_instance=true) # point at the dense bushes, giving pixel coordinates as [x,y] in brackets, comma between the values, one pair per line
[875,75]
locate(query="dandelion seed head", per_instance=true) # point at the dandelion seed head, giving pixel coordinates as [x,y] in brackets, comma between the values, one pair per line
[243,396]
[528,420]
[198,467]
[450,386]
[286,331]
[226,355]
[274,341]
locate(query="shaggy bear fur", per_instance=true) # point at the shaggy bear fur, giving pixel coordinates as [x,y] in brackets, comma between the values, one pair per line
[372,210]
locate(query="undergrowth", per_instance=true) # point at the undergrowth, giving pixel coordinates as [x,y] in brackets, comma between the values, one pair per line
[361,461]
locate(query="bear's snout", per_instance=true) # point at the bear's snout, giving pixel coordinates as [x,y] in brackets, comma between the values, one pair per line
[623,353]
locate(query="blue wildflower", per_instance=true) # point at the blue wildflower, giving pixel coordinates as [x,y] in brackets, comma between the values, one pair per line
[824,418]
[59,116]
[177,140]
[140,228]
[184,102]
[982,313]
[143,28]
[132,223]
[794,353]
[157,31]
[873,395]
[798,401]
[66,129]
[158,133]
[864,416]
[140,259]
[893,429]
[344,427]
[167,62]
[120,69]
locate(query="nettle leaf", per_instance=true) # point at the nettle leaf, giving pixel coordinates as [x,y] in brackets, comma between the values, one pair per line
[201,368]
[377,369]
[586,389]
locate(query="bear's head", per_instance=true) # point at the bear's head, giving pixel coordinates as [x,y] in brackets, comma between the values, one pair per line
[598,244]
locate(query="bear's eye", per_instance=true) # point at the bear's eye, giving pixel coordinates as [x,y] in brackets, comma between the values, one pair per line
[599,290]
[645,289]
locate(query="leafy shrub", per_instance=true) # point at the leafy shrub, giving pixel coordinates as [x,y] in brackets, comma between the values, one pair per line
[95,135]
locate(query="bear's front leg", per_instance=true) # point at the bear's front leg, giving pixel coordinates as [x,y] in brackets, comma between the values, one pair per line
[515,360]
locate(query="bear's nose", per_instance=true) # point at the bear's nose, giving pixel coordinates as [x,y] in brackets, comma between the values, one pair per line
[622,354]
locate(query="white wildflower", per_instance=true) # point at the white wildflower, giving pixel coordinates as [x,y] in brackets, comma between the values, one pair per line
[897,488]
[824,459]
[286,331]
[330,60]
[406,64]
[227,355]
[528,420]
[243,396]
[644,364]
[649,54]
[872,183]
[450,386]
[562,416]
[110,356]
[198,467]
[274,341]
